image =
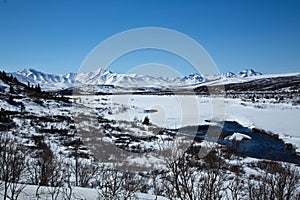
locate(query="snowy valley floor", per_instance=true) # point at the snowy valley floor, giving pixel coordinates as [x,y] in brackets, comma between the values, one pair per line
[178,111]
[80,128]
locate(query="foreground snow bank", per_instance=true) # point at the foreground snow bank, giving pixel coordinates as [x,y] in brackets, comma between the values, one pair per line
[29,193]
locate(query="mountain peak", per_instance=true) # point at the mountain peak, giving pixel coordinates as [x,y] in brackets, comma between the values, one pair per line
[247,72]
[228,75]
[193,78]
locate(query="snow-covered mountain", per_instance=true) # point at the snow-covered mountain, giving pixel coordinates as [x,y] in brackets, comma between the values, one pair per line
[228,75]
[242,74]
[247,72]
[105,77]
[194,78]
[50,81]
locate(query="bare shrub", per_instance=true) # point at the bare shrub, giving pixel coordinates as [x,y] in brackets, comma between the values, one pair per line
[46,170]
[277,181]
[12,166]
[114,184]
[85,173]
[236,189]
[181,181]
[188,179]
[156,182]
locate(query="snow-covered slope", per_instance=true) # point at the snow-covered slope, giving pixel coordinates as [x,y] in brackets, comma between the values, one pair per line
[104,77]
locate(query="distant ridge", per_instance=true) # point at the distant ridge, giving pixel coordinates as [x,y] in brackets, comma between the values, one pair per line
[105,77]
[242,74]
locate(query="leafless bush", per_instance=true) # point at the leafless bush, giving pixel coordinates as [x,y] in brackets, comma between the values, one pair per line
[236,189]
[12,166]
[85,173]
[277,181]
[187,179]
[114,184]
[110,185]
[46,170]
[67,190]
[181,180]
[131,184]
[156,182]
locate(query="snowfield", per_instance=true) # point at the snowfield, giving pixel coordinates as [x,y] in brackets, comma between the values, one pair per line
[178,111]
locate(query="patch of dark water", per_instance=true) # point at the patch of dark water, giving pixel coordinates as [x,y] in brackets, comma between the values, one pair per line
[261,145]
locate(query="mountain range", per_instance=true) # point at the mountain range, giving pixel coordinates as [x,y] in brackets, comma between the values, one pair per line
[105,77]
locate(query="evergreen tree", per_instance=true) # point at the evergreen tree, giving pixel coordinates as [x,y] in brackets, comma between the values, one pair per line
[3,75]
[146,121]
[11,100]
[15,80]
[18,90]
[38,88]
[22,107]
[11,89]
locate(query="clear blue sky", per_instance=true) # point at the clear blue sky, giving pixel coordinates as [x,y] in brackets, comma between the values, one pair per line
[55,36]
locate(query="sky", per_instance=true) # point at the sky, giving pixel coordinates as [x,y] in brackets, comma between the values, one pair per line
[56,36]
